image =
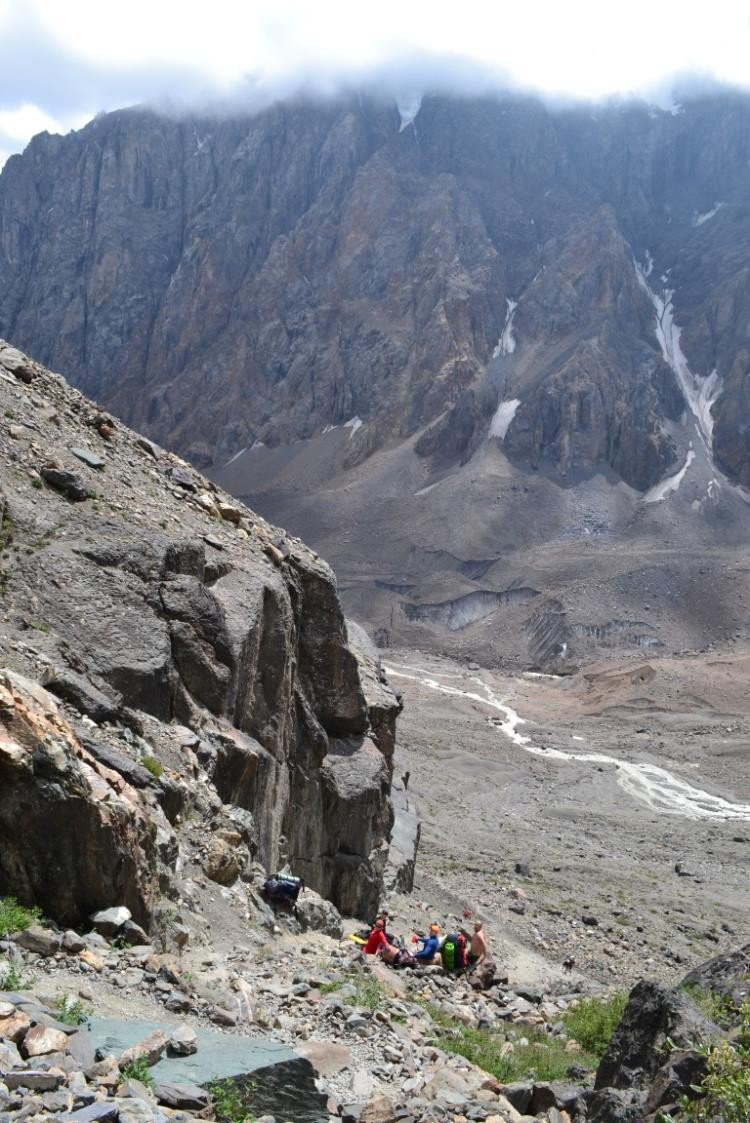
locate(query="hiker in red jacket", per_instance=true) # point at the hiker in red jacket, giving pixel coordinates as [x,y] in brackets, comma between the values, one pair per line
[377,939]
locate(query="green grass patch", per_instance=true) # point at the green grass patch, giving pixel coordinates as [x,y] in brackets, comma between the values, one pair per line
[369,993]
[717,1008]
[139,1070]
[152,765]
[593,1021]
[15,917]
[541,1058]
[332,987]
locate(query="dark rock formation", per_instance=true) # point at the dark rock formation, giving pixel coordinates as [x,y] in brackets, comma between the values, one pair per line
[654,1017]
[727,975]
[177,615]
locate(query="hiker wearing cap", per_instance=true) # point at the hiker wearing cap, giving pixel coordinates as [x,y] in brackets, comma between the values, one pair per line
[377,938]
[430,945]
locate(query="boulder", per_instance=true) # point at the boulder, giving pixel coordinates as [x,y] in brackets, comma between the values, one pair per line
[728,975]
[150,1049]
[227,856]
[326,1057]
[42,1039]
[82,694]
[13,1027]
[43,941]
[682,1073]
[108,922]
[483,975]
[314,913]
[615,1105]
[656,1019]
[104,835]
[183,1042]
[182,1095]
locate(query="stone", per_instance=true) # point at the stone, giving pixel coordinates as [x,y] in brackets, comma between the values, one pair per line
[226,858]
[82,694]
[148,446]
[679,1076]
[43,941]
[92,960]
[36,1080]
[17,363]
[133,934]
[67,482]
[182,1095]
[72,942]
[379,1109]
[483,975]
[727,975]
[326,1057]
[229,512]
[106,1112]
[221,1017]
[183,1042]
[315,913]
[108,922]
[42,1039]
[150,1049]
[14,1026]
[88,457]
[183,478]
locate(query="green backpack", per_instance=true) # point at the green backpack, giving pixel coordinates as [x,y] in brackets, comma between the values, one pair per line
[448,954]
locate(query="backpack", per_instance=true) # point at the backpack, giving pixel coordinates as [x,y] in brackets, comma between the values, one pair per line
[453,952]
[283,887]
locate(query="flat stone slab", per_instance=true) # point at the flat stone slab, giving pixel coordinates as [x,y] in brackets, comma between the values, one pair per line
[88,457]
[326,1057]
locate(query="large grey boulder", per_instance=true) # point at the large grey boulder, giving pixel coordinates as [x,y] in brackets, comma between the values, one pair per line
[316,914]
[727,975]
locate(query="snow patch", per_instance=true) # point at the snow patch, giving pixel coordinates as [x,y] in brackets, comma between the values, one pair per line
[408,108]
[649,265]
[329,429]
[701,218]
[504,414]
[699,393]
[257,444]
[506,344]
[353,423]
[671,483]
[236,456]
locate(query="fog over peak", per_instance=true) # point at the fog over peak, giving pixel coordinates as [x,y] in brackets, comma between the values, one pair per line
[64,63]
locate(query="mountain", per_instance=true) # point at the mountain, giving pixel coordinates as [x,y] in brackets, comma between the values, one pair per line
[485,355]
[178,687]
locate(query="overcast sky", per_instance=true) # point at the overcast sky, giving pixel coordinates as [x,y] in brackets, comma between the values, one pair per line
[62,62]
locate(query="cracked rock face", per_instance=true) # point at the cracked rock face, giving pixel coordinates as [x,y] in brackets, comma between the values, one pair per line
[195,672]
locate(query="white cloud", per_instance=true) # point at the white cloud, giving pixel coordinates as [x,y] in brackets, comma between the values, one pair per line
[62,61]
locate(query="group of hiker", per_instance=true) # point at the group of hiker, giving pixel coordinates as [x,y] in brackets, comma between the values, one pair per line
[455,951]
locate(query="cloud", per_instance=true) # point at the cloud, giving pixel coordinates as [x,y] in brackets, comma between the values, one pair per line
[62,63]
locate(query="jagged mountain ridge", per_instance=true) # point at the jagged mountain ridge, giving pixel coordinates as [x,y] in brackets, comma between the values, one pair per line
[473,295]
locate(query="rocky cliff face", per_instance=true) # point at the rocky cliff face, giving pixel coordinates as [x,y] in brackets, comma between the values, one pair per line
[316,263]
[336,310]
[176,629]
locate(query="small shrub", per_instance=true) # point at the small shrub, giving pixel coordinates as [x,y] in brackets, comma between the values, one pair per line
[725,1091]
[369,994]
[152,765]
[139,1070]
[70,1011]
[37,483]
[11,977]
[718,1008]
[593,1021]
[15,917]
[227,1101]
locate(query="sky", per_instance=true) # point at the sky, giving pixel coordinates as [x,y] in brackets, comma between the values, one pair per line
[64,62]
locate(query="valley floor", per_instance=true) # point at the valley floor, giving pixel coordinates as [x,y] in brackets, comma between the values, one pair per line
[637,859]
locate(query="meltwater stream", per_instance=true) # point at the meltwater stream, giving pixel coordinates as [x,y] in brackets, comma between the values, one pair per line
[654,786]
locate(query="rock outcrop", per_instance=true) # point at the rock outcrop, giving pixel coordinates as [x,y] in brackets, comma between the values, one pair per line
[187,641]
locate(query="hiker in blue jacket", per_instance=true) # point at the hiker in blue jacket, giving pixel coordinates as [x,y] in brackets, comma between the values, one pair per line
[430,945]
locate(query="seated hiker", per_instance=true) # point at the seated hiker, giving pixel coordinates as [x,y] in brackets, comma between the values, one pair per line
[377,938]
[430,945]
[396,957]
[478,950]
